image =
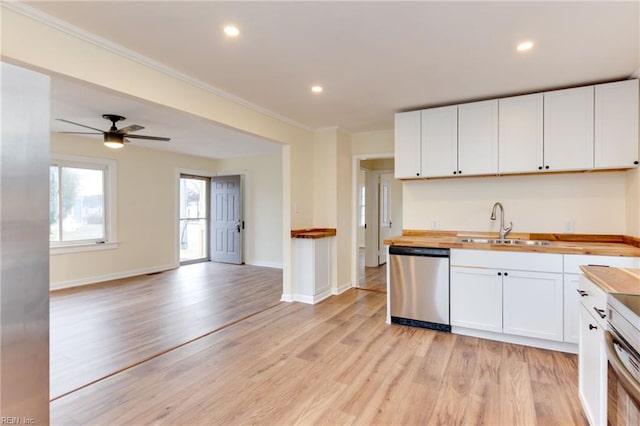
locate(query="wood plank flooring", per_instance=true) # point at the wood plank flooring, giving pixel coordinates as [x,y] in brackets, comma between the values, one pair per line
[372,278]
[101,329]
[335,363]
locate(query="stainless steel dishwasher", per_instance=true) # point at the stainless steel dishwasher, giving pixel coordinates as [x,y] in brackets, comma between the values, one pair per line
[419,284]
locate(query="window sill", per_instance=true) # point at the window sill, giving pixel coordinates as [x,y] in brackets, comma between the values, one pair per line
[80,248]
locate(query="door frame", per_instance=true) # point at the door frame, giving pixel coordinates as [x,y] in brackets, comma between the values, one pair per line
[206,174]
[206,179]
[176,220]
[355,167]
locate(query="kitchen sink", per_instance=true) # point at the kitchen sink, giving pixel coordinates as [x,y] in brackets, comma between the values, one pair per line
[515,242]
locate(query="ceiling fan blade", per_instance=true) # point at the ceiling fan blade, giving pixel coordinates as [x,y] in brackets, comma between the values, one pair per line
[132,128]
[81,125]
[82,133]
[152,138]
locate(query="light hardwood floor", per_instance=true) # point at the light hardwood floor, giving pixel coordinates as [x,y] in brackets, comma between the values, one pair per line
[333,363]
[372,278]
[101,329]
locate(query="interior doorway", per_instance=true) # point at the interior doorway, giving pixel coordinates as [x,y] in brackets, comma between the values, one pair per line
[379,216]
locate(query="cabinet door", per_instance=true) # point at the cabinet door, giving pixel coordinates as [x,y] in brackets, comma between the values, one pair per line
[532,304]
[476,298]
[571,309]
[407,145]
[592,369]
[478,138]
[440,141]
[520,134]
[616,124]
[568,129]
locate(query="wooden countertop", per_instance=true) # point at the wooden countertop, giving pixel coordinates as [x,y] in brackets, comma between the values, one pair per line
[313,233]
[608,245]
[614,280]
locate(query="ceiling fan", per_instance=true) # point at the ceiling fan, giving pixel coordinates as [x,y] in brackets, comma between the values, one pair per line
[114,137]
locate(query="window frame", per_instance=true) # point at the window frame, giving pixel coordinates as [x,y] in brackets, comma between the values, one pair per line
[109,168]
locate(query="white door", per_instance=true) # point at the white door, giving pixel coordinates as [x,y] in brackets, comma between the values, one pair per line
[532,304]
[385,219]
[440,141]
[568,129]
[226,238]
[407,145]
[478,138]
[520,134]
[616,124]
[476,298]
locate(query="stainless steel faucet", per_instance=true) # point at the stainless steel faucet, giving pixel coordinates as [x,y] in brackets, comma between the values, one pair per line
[503,231]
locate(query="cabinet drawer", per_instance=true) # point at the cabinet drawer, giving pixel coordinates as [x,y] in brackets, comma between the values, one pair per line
[593,298]
[572,262]
[542,262]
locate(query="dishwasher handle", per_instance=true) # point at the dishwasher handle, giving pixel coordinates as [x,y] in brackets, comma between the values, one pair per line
[419,251]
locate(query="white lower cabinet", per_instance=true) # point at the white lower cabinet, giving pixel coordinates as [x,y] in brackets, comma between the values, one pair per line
[592,369]
[476,298]
[592,357]
[505,301]
[532,304]
[571,309]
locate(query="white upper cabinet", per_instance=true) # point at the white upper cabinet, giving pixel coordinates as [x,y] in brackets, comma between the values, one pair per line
[616,124]
[478,138]
[568,129]
[520,134]
[407,145]
[584,128]
[440,141]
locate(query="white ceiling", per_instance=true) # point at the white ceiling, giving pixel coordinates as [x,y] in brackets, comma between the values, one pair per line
[373,58]
[189,134]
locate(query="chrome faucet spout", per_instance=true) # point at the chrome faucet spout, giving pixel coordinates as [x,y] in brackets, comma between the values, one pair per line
[503,231]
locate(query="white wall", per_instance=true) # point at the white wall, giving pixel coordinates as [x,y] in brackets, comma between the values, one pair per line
[596,202]
[344,207]
[147,198]
[262,198]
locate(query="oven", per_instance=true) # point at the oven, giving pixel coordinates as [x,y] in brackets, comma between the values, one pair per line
[622,345]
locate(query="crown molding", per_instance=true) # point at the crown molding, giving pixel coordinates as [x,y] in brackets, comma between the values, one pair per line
[63,26]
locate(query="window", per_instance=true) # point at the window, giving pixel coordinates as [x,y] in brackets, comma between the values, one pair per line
[363,206]
[81,202]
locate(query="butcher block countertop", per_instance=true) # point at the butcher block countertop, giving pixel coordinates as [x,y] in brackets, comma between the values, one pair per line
[313,233]
[607,245]
[614,280]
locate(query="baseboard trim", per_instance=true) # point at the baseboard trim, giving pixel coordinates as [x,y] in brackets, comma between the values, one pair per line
[519,340]
[341,289]
[274,265]
[312,300]
[108,277]
[286,297]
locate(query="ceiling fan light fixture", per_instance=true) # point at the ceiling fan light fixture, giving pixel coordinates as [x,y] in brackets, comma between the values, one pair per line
[114,141]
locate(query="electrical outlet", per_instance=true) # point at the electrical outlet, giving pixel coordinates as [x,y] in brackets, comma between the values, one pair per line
[435,224]
[569,226]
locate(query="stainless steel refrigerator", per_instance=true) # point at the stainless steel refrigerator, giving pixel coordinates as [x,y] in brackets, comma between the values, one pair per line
[24,246]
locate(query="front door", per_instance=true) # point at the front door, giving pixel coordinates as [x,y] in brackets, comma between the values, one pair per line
[227,224]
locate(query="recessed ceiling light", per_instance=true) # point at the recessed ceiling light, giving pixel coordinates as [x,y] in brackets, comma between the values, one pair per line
[231,31]
[316,89]
[524,46]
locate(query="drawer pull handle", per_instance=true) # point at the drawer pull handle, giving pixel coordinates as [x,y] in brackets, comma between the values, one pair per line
[600,312]
[592,327]
[582,293]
